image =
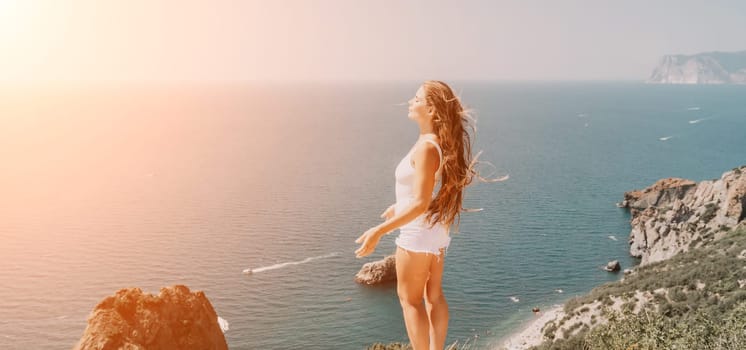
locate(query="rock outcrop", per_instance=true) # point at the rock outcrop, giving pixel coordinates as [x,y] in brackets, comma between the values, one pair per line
[702,68]
[674,215]
[378,271]
[613,266]
[174,319]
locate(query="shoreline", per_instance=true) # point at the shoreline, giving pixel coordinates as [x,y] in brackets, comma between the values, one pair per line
[530,333]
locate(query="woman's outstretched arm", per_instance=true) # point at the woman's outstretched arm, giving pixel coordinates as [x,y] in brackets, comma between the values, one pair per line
[426,159]
[389,212]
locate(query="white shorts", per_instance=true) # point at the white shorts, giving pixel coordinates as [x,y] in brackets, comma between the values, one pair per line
[417,237]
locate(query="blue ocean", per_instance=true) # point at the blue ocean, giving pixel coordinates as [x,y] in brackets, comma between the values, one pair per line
[109,187]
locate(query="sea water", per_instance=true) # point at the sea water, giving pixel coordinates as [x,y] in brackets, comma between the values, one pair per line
[109,187]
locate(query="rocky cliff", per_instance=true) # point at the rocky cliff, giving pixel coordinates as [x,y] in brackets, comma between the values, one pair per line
[675,215]
[174,319]
[691,238]
[702,68]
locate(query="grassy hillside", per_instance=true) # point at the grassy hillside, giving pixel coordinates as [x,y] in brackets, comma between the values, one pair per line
[695,300]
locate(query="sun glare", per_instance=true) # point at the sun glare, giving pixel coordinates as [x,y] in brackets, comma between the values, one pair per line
[15,24]
[19,36]
[12,18]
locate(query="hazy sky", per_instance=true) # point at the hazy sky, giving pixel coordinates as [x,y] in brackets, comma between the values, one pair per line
[100,40]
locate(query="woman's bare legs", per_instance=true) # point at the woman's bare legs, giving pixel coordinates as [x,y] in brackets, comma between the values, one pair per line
[418,275]
[412,272]
[435,302]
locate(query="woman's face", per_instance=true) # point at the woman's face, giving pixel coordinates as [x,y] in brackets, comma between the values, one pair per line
[418,108]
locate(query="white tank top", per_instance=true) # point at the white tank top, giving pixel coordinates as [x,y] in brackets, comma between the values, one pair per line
[405,176]
[417,235]
[405,173]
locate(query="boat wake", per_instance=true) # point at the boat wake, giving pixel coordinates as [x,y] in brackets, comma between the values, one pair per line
[695,121]
[285,264]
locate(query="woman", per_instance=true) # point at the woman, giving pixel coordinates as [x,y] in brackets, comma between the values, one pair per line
[442,153]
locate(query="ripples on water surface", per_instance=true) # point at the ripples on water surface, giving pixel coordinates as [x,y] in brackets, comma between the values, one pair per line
[108,188]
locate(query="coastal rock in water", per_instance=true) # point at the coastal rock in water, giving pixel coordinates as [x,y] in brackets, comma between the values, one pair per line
[378,271]
[702,68]
[674,214]
[613,266]
[174,319]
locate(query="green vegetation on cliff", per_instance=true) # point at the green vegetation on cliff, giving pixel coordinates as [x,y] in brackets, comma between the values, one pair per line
[697,301]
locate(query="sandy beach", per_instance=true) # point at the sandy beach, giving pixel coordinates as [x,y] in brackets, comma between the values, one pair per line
[531,334]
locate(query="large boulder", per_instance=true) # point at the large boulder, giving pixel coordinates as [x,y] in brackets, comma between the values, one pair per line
[613,266]
[174,319]
[378,271]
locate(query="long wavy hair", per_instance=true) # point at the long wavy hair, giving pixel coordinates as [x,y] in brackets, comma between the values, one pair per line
[452,123]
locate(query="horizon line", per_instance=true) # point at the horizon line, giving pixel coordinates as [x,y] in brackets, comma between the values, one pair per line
[22,83]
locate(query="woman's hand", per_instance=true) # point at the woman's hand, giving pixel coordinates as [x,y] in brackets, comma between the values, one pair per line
[369,239]
[388,213]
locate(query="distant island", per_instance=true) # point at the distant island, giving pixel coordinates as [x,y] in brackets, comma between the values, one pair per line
[702,68]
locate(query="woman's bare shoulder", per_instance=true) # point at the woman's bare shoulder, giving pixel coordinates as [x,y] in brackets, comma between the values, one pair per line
[426,153]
